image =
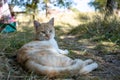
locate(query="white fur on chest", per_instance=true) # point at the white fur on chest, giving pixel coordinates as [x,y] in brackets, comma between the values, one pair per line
[36,46]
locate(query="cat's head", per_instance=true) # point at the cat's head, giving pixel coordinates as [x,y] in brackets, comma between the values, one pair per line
[44,31]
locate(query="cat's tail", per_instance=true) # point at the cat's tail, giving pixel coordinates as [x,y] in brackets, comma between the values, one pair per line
[55,71]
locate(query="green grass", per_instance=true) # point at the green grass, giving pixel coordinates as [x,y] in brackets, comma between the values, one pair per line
[99,29]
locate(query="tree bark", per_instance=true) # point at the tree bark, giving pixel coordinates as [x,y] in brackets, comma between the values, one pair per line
[46,9]
[110,6]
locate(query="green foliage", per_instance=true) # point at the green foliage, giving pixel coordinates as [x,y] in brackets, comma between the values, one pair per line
[101,4]
[75,10]
[13,41]
[33,4]
[118,3]
[64,3]
[98,4]
[98,29]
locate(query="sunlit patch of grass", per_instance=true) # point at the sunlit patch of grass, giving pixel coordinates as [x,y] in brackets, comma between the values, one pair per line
[13,41]
[104,33]
[106,47]
[82,52]
[98,29]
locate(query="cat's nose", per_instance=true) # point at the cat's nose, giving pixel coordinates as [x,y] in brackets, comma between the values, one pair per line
[47,36]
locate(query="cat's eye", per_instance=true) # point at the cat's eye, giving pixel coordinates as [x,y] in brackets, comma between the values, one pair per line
[43,32]
[50,31]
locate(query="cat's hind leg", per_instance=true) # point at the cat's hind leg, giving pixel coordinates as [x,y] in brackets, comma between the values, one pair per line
[88,68]
[88,61]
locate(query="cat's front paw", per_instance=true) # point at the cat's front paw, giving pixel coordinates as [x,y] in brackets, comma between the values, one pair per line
[65,51]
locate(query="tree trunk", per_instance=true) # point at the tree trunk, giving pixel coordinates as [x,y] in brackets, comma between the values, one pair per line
[33,15]
[110,6]
[46,9]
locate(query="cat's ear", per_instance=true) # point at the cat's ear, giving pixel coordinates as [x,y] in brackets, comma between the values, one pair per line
[36,24]
[51,21]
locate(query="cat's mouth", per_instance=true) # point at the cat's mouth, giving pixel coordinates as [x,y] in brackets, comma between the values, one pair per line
[43,39]
[47,37]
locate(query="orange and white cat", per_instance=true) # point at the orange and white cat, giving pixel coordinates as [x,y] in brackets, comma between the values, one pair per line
[44,57]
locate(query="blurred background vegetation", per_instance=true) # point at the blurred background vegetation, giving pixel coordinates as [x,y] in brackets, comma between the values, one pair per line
[101,25]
